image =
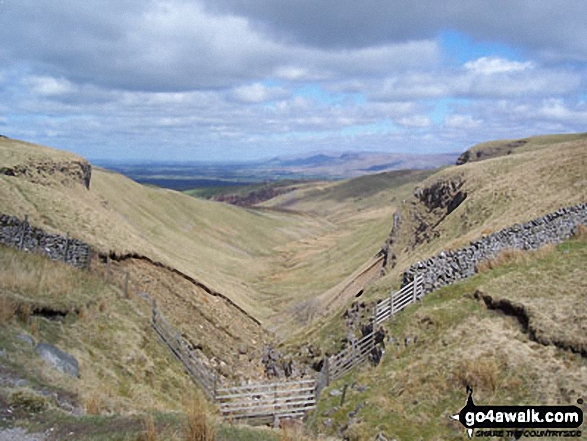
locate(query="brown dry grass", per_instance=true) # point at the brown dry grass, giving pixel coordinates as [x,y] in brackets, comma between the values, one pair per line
[479,373]
[150,433]
[294,432]
[581,232]
[93,404]
[7,310]
[198,425]
[513,256]
[23,312]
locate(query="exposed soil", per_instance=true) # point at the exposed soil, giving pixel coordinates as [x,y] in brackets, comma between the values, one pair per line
[521,313]
[220,333]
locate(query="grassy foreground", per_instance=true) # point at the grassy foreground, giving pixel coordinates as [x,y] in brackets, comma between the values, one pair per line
[129,387]
[455,340]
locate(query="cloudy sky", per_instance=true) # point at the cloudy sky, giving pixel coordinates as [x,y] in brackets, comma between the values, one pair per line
[235,79]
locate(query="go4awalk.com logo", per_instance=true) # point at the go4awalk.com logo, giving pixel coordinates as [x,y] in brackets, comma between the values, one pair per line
[518,421]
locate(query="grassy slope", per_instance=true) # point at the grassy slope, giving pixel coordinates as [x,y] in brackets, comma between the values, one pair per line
[16,152]
[213,242]
[503,147]
[501,191]
[459,341]
[126,375]
[265,260]
[273,262]
[218,244]
[122,365]
[314,270]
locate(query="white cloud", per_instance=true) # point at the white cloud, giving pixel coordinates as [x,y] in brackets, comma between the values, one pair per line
[258,93]
[179,75]
[495,65]
[415,121]
[49,86]
[459,121]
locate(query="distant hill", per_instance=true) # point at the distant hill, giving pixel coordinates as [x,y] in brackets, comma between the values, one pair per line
[502,147]
[352,164]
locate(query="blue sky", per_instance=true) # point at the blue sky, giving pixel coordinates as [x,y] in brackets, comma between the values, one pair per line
[226,79]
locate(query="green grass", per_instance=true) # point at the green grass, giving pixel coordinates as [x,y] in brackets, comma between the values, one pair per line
[370,185]
[241,190]
[459,342]
[493,149]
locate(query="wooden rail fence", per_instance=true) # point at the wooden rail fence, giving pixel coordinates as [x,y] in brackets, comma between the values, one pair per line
[255,403]
[198,372]
[343,362]
[397,301]
[267,402]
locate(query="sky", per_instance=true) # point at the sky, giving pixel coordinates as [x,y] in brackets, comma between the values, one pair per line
[216,80]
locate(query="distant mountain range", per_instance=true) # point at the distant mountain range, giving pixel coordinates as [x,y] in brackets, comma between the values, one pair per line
[190,175]
[351,164]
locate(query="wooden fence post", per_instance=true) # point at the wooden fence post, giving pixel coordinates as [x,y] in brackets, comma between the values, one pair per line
[66,247]
[327,369]
[107,268]
[415,288]
[88,259]
[275,417]
[374,326]
[343,394]
[24,226]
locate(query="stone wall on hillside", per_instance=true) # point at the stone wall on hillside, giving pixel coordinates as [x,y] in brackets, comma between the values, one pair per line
[20,234]
[449,266]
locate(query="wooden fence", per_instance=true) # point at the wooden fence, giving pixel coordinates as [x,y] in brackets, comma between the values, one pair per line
[340,364]
[266,402]
[255,403]
[397,301]
[198,372]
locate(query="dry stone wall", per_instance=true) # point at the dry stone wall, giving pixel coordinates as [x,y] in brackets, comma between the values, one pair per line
[453,265]
[20,234]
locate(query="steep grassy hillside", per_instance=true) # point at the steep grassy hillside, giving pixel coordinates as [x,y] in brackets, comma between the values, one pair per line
[290,259]
[268,261]
[213,242]
[129,387]
[315,271]
[456,337]
[502,147]
[122,365]
[461,203]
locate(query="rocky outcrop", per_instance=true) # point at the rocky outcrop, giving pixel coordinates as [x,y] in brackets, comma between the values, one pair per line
[20,234]
[443,195]
[479,153]
[426,210]
[449,266]
[46,172]
[62,361]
